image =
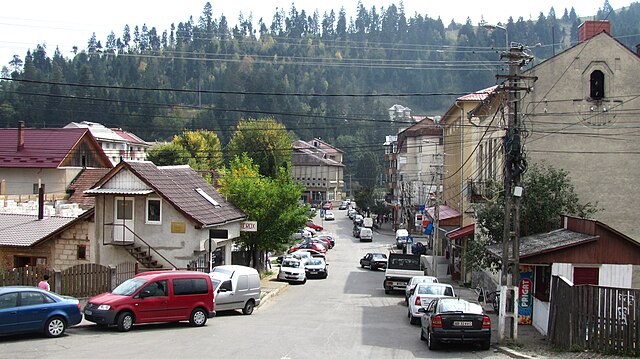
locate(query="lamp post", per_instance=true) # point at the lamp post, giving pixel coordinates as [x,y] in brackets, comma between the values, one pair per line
[498,26]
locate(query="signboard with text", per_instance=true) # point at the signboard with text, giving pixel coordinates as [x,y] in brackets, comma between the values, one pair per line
[525,298]
[249,226]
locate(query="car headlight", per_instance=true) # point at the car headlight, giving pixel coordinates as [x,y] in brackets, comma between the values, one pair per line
[104,307]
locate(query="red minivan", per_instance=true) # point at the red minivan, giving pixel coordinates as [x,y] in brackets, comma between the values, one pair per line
[152,297]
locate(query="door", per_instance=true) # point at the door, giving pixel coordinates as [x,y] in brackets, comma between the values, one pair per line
[225,297]
[154,307]
[9,314]
[123,220]
[33,310]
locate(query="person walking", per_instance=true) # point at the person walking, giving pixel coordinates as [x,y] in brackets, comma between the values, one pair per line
[44,283]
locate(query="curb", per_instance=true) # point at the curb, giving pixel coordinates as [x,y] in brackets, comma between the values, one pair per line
[513,354]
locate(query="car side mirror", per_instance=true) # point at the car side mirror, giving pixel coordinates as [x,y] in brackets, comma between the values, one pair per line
[145,293]
[422,310]
[222,290]
[327,264]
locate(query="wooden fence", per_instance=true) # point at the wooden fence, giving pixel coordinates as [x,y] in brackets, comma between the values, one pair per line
[602,319]
[82,280]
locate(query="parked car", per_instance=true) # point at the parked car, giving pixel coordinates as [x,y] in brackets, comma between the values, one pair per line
[366,234]
[327,205]
[325,242]
[301,234]
[236,287]
[292,270]
[343,205]
[329,216]
[31,309]
[152,297]
[358,219]
[422,295]
[314,244]
[374,261]
[313,253]
[316,227]
[414,281]
[316,267]
[351,212]
[455,321]
[311,230]
[331,239]
[302,255]
[402,236]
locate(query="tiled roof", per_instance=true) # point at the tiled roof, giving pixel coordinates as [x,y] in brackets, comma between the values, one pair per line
[43,147]
[177,184]
[130,137]
[478,95]
[546,242]
[444,212]
[305,154]
[85,180]
[22,230]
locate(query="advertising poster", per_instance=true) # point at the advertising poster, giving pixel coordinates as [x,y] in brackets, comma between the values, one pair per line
[525,299]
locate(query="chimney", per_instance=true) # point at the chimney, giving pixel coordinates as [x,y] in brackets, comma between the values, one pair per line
[20,135]
[591,28]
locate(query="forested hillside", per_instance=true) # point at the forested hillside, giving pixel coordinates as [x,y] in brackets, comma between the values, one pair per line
[322,75]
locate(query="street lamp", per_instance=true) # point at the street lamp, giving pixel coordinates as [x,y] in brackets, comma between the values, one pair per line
[497,26]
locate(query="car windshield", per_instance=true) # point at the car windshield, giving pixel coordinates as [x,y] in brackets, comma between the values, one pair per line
[459,306]
[435,290]
[291,264]
[129,286]
[226,271]
[215,283]
[315,262]
[379,256]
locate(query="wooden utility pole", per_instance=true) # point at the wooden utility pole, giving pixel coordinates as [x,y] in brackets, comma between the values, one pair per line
[514,166]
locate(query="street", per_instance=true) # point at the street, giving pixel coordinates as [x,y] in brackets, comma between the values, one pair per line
[346,315]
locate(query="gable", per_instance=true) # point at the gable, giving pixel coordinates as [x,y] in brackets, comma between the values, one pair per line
[124,179]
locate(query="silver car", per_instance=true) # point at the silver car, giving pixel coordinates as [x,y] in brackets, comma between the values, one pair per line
[414,281]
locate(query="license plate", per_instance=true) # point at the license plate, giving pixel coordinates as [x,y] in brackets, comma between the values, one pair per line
[462,324]
[88,312]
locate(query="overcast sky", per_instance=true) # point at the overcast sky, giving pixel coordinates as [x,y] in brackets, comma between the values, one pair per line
[66,23]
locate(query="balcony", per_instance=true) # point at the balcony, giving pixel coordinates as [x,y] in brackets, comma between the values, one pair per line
[481,191]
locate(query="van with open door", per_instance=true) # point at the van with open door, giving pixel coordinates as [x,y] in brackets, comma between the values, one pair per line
[236,287]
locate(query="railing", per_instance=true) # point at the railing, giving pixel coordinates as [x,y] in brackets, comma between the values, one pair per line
[124,242]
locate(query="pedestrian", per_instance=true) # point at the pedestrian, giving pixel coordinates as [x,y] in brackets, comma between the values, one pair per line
[44,283]
[268,260]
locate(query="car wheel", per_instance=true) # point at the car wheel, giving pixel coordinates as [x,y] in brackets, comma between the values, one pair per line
[486,345]
[406,301]
[55,327]
[432,343]
[422,337]
[361,265]
[125,321]
[304,281]
[413,320]
[198,317]
[248,307]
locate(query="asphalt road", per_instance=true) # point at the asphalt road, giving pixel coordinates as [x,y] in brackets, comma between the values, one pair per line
[346,315]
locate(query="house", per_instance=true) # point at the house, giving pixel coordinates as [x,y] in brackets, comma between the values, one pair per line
[580,113]
[52,157]
[584,251]
[318,167]
[163,216]
[54,242]
[115,142]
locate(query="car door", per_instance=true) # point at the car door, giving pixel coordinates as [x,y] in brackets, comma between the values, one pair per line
[9,322]
[33,310]
[152,303]
[366,261]
[224,297]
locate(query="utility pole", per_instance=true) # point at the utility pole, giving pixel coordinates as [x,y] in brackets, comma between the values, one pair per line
[514,166]
[436,213]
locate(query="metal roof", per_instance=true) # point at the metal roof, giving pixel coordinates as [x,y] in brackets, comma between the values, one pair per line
[23,230]
[546,242]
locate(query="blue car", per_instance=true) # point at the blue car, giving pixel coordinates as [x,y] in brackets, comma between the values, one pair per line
[31,309]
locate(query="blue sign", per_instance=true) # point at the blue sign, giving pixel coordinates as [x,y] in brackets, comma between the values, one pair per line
[422,208]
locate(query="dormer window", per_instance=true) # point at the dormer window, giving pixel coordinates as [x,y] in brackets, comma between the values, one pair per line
[596,85]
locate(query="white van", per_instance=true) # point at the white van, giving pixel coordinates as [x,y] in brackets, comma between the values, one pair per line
[366,234]
[401,238]
[236,287]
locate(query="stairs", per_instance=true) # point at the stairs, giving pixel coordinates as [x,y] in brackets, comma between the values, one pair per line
[143,257]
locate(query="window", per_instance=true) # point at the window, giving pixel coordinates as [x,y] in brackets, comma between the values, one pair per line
[33,298]
[187,286]
[156,289]
[9,300]
[596,85]
[543,283]
[154,210]
[82,252]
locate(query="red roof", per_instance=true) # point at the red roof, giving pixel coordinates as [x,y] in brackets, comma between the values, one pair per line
[462,232]
[128,136]
[479,95]
[444,212]
[43,147]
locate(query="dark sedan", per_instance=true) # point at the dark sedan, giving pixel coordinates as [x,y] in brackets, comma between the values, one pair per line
[374,261]
[455,320]
[31,309]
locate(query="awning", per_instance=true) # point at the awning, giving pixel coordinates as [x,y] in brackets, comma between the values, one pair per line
[462,232]
[444,212]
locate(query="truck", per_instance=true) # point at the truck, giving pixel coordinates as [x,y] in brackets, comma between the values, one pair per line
[400,269]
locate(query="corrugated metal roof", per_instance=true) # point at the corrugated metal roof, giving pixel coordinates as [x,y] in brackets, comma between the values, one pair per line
[545,242]
[22,230]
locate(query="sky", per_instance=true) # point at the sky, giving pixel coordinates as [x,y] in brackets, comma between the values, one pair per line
[65,23]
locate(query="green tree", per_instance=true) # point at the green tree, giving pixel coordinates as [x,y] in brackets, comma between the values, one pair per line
[548,193]
[168,154]
[266,141]
[272,202]
[204,149]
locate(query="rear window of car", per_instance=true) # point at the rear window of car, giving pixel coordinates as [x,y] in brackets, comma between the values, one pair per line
[291,264]
[187,286]
[459,306]
[435,290]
